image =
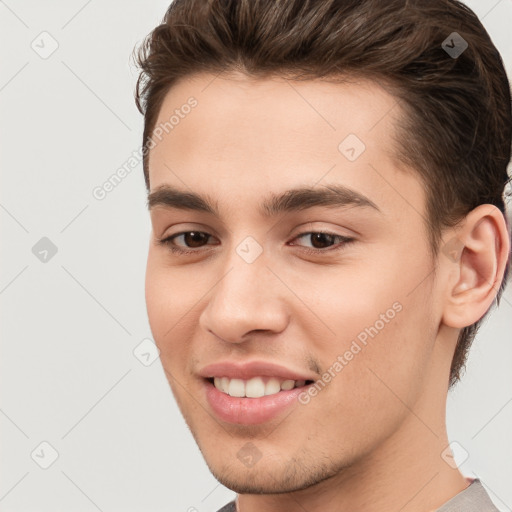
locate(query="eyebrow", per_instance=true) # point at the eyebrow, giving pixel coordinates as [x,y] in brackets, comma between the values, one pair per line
[296,199]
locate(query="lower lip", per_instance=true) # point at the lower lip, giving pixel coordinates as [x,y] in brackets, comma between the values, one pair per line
[250,411]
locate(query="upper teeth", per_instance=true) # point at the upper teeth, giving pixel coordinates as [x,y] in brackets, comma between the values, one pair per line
[255,387]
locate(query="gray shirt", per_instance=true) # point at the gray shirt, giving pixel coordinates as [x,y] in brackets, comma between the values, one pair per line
[473,498]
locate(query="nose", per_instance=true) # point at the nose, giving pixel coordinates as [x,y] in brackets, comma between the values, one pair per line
[247,297]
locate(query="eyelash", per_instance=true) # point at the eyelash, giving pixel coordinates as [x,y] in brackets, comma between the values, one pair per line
[175,249]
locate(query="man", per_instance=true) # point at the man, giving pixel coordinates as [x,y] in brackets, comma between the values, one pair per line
[325,188]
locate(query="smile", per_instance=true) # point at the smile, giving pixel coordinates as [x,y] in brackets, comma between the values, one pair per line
[256,387]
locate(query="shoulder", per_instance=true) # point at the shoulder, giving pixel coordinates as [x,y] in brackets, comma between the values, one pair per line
[473,498]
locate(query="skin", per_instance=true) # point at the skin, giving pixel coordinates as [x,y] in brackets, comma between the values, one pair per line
[373,438]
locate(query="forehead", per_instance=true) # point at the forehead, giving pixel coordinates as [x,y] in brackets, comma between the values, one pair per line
[256,135]
[238,112]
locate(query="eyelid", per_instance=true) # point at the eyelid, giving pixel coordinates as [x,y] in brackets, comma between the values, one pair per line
[180,250]
[312,227]
[168,241]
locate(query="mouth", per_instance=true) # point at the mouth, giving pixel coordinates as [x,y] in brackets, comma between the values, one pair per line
[253,391]
[255,401]
[255,387]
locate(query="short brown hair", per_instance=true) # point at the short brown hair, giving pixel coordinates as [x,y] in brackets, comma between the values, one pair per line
[457,128]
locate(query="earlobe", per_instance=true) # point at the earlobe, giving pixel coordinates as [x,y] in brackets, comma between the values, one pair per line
[478,265]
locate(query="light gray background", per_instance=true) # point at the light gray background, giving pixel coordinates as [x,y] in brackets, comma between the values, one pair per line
[68,373]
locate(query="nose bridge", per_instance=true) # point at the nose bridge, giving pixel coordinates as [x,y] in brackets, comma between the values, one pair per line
[245,269]
[244,299]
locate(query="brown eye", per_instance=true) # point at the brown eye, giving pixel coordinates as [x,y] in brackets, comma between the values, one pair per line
[194,238]
[319,240]
[322,242]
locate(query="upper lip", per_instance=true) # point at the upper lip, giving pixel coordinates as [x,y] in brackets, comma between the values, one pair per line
[251,369]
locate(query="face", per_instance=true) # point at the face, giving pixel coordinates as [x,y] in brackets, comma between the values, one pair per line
[311,263]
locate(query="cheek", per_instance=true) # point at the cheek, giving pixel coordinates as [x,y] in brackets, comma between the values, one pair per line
[377,332]
[389,363]
[171,290]
[361,301]
[374,386]
[170,298]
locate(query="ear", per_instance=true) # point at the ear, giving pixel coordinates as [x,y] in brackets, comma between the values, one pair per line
[478,254]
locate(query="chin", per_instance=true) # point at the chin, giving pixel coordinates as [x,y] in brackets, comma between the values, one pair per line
[266,477]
